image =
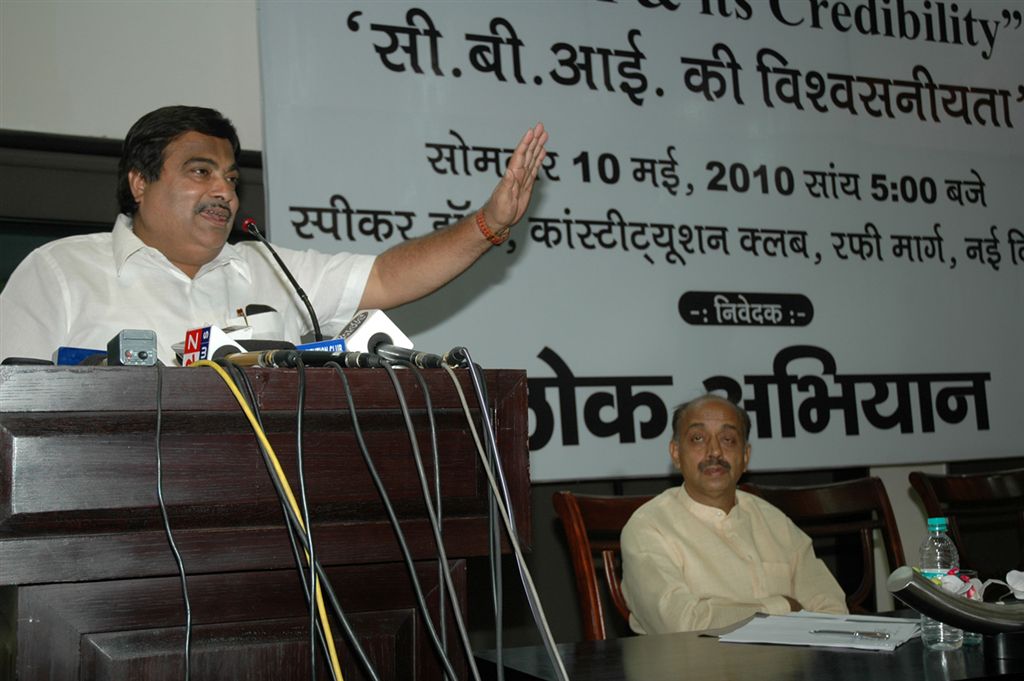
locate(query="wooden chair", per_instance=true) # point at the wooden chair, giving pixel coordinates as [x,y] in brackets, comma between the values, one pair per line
[981,506]
[843,510]
[592,525]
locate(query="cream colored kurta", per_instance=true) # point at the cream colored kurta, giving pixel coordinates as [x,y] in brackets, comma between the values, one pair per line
[687,566]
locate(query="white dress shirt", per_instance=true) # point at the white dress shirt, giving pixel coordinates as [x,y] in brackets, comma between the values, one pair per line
[82,291]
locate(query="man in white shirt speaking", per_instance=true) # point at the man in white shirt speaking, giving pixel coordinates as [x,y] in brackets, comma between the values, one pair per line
[166,265]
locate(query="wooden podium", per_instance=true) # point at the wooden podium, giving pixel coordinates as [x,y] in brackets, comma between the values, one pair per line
[88,584]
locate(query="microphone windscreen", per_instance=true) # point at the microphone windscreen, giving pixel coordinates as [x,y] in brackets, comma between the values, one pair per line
[369,328]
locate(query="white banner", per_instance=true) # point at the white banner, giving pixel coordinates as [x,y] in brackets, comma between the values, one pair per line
[815,207]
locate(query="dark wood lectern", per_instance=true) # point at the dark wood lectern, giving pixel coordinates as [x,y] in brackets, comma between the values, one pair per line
[88,585]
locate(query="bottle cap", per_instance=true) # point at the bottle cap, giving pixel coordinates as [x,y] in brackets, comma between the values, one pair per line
[937,524]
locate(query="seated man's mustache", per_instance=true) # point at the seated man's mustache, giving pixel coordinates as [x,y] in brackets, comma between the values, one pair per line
[714,461]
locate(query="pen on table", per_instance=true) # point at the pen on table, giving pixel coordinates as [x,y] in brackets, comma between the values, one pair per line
[880,635]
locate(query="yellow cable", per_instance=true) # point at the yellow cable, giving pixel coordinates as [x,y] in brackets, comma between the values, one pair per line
[279,472]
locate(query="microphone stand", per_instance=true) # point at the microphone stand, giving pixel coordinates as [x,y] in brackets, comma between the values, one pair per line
[249,227]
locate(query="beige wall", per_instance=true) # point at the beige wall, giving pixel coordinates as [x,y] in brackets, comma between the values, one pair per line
[92,67]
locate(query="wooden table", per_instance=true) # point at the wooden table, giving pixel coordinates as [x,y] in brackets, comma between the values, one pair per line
[678,657]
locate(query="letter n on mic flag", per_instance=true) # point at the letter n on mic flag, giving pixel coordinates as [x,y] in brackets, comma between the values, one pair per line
[197,346]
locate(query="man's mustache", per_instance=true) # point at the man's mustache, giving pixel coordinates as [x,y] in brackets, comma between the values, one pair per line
[221,205]
[714,461]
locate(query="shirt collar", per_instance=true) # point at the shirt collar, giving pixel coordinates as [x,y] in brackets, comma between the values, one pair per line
[708,513]
[127,246]
[125,243]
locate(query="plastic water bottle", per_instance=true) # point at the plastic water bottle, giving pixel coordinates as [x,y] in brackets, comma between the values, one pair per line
[938,557]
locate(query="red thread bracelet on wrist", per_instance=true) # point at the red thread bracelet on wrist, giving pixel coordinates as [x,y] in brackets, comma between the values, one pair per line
[496,239]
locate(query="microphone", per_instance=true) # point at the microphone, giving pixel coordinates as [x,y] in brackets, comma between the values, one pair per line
[394,353]
[369,328]
[249,227]
[207,342]
[372,331]
[350,360]
[288,359]
[268,359]
[423,360]
[211,342]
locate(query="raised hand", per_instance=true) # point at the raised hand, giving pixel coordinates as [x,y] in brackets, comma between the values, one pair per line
[511,197]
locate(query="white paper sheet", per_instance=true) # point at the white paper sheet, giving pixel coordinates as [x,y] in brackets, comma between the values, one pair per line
[807,629]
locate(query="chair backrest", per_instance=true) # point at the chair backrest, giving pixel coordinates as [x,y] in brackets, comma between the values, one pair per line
[976,504]
[592,525]
[856,507]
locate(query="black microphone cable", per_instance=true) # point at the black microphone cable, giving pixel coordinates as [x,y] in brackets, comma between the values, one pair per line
[442,568]
[241,380]
[491,447]
[297,530]
[504,506]
[396,526]
[494,555]
[457,356]
[428,404]
[495,558]
[431,516]
[300,410]
[167,523]
[454,358]
[279,480]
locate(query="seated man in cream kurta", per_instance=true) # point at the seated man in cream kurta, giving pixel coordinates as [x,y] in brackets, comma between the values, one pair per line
[706,555]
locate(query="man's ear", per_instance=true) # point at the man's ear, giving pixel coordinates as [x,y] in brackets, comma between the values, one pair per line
[746,457]
[137,184]
[673,451]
